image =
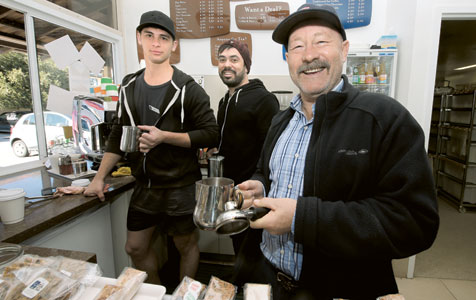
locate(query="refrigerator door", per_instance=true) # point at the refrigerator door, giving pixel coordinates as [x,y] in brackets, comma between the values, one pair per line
[372,70]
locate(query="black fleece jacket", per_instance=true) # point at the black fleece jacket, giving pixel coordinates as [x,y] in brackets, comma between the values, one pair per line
[168,166]
[244,119]
[368,197]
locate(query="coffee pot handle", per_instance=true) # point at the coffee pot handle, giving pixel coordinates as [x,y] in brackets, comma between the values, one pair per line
[257,212]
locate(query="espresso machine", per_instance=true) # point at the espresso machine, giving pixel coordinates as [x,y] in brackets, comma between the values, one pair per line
[92,124]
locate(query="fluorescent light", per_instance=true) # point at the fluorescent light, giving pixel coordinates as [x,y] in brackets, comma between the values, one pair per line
[467,67]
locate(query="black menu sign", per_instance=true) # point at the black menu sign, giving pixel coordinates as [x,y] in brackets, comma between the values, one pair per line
[261,16]
[352,13]
[195,19]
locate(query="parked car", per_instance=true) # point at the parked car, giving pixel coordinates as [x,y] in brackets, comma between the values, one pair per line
[23,137]
[9,119]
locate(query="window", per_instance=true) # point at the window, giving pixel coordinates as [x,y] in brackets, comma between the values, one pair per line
[27,71]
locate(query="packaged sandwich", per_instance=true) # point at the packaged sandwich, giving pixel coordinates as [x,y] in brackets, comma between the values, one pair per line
[11,287]
[256,291]
[219,290]
[46,284]
[130,280]
[84,272]
[109,292]
[24,262]
[189,289]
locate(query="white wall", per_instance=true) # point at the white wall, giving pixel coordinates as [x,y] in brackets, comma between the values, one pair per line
[267,57]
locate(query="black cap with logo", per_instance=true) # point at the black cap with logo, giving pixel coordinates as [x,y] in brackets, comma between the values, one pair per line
[308,11]
[158,19]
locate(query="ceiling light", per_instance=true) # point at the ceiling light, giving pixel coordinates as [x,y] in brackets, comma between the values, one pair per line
[467,67]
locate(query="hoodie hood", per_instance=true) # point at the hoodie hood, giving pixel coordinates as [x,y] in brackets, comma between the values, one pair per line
[179,81]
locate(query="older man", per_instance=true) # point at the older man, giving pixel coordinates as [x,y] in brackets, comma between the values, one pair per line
[345,175]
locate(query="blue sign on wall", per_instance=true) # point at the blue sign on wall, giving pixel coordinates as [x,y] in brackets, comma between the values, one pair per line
[352,13]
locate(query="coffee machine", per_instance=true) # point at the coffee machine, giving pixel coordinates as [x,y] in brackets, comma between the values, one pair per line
[92,123]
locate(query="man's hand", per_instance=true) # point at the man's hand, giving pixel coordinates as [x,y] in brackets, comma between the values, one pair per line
[280,218]
[151,137]
[251,190]
[95,188]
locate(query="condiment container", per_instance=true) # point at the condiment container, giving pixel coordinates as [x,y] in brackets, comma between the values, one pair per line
[65,165]
[80,167]
[81,182]
[12,205]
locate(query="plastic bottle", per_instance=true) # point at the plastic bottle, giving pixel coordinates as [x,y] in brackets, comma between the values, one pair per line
[382,75]
[355,77]
[369,74]
[362,73]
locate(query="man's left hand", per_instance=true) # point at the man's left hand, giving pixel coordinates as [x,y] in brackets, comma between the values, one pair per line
[151,137]
[280,217]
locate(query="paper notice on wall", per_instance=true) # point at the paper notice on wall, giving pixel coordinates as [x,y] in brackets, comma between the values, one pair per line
[79,78]
[60,100]
[91,59]
[62,51]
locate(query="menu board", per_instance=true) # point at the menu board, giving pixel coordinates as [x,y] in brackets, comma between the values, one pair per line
[195,19]
[352,13]
[261,16]
[174,58]
[216,42]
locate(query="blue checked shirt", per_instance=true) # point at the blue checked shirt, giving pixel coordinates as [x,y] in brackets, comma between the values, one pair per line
[287,177]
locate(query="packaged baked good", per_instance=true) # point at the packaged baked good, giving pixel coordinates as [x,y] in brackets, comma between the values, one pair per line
[219,290]
[189,289]
[46,284]
[85,272]
[130,280]
[256,291]
[24,262]
[15,287]
[109,292]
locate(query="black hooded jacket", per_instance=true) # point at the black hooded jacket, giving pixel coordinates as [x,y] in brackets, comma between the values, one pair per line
[244,119]
[168,166]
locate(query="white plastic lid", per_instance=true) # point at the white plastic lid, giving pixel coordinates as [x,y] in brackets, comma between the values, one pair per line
[80,182]
[9,194]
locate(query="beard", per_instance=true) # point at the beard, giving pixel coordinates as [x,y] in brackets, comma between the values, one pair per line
[233,81]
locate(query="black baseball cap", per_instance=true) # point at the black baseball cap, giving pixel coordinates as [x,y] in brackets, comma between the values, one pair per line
[157,18]
[325,13]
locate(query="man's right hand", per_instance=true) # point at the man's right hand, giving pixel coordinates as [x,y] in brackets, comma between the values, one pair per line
[251,190]
[95,188]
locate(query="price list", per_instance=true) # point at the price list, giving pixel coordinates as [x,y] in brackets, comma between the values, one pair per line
[352,13]
[261,16]
[195,19]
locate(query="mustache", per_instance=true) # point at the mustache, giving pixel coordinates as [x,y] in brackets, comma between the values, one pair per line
[227,69]
[315,64]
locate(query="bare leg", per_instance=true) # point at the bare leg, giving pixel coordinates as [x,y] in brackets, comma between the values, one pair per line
[187,246]
[139,247]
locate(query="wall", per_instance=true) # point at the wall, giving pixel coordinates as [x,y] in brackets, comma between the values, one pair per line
[267,62]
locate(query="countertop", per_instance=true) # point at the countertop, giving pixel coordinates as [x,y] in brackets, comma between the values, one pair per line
[41,216]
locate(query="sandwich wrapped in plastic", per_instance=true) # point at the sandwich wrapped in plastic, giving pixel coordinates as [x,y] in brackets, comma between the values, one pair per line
[10,287]
[219,290]
[256,291]
[110,292]
[45,284]
[24,262]
[189,289]
[130,280]
[86,273]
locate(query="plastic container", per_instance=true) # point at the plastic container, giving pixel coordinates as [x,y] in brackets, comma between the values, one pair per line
[81,182]
[12,205]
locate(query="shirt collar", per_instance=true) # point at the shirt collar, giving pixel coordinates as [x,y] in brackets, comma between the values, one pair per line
[296,102]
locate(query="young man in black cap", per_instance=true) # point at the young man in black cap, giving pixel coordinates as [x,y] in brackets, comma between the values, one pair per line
[345,175]
[244,115]
[174,113]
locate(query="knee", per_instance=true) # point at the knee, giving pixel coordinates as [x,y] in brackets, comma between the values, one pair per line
[135,250]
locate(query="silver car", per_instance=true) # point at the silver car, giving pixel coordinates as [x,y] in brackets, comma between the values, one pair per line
[23,138]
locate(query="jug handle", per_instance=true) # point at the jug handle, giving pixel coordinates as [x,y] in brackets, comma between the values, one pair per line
[238,197]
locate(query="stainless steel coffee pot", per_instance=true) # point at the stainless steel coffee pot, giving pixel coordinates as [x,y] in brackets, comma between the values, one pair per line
[218,207]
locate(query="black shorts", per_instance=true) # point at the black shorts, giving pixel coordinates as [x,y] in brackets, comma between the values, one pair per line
[172,225]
